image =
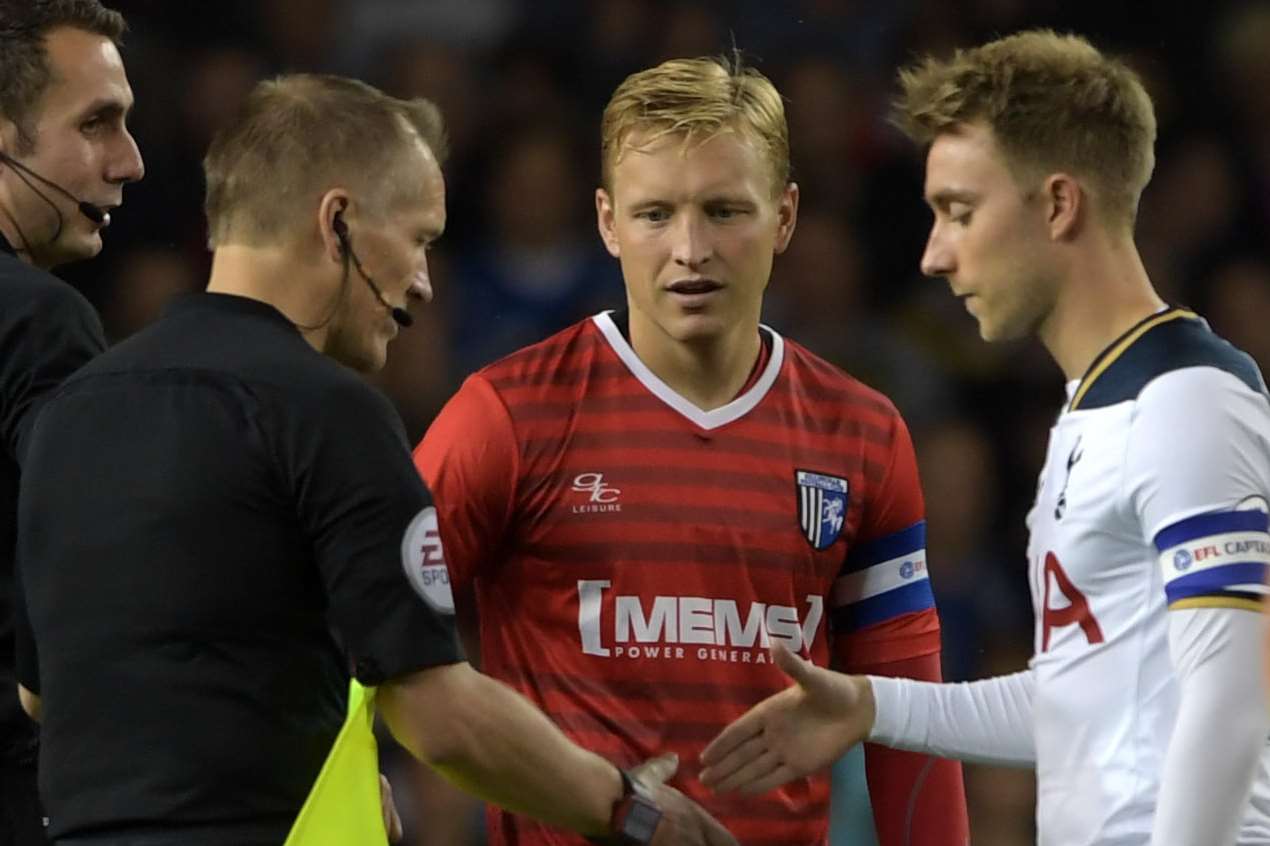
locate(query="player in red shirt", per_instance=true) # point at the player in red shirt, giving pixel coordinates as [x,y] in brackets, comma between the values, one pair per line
[634,509]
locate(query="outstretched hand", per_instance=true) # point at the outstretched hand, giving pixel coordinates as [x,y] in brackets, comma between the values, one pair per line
[801,730]
[683,822]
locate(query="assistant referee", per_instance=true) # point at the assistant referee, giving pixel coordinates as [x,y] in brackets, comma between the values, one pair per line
[60,69]
[213,521]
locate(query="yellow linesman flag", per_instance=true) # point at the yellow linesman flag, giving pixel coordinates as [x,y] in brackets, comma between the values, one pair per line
[343,808]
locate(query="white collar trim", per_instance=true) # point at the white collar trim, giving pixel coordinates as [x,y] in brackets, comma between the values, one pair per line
[720,416]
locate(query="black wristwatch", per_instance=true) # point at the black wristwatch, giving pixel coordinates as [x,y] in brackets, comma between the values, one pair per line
[636,816]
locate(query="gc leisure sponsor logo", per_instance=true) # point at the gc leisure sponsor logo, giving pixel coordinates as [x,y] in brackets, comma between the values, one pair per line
[424,560]
[600,496]
[675,628]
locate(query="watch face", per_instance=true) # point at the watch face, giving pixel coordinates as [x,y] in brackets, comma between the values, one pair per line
[641,822]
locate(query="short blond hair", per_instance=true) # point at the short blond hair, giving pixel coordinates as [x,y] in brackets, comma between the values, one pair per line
[297,136]
[696,99]
[1053,102]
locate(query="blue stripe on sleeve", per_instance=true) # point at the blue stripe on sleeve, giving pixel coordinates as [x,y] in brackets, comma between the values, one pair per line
[904,542]
[1215,579]
[1204,525]
[884,606]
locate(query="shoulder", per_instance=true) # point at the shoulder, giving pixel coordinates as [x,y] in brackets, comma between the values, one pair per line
[330,391]
[819,380]
[546,362]
[1178,354]
[28,293]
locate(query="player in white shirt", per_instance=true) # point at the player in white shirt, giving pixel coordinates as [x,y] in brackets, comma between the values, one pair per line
[1142,709]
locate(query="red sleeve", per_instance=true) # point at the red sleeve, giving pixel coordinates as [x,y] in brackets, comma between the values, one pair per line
[470,461]
[918,800]
[872,629]
[897,502]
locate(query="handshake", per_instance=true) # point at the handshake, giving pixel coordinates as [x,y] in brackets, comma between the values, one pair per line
[799,731]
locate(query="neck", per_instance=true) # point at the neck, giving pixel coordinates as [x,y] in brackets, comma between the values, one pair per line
[709,373]
[268,274]
[13,234]
[1106,291]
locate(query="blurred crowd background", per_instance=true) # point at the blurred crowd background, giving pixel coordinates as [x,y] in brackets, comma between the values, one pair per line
[522,84]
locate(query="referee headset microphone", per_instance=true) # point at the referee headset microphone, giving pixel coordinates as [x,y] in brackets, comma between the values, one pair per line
[97,215]
[399,314]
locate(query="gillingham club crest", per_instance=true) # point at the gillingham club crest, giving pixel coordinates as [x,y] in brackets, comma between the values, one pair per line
[822,507]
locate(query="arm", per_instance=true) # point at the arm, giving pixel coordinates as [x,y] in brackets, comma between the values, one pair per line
[987,721]
[885,624]
[1198,483]
[916,798]
[44,338]
[809,725]
[1213,649]
[367,510]
[492,742]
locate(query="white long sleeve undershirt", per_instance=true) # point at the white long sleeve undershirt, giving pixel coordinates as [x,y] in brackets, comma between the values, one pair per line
[988,721]
[1217,741]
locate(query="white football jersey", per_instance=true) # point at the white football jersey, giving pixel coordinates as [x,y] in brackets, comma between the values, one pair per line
[1152,497]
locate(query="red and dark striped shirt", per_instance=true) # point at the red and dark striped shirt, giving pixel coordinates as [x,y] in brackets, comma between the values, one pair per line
[630,557]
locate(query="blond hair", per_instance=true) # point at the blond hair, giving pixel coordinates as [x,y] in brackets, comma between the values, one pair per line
[299,135]
[696,99]
[1053,102]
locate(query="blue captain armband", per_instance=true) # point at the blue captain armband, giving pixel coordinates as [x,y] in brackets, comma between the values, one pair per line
[882,580]
[1216,560]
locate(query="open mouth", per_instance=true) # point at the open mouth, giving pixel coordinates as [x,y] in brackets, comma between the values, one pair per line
[694,287]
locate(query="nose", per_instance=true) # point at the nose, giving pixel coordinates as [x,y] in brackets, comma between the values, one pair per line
[937,258]
[693,246]
[421,286]
[126,165]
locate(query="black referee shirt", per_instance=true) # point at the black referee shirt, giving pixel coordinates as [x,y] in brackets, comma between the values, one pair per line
[47,332]
[201,506]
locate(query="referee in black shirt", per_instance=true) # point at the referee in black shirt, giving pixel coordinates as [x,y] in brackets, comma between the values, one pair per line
[213,514]
[63,146]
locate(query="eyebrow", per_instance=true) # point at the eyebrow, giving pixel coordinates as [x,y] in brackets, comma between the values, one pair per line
[711,200]
[107,108]
[947,196]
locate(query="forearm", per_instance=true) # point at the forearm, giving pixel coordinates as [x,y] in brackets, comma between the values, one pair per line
[988,721]
[916,798]
[1221,727]
[493,743]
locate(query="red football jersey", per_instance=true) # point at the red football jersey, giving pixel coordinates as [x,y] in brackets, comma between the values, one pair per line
[631,557]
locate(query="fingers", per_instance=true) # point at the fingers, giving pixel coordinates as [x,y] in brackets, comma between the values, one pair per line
[745,728]
[783,774]
[657,770]
[392,820]
[759,763]
[724,769]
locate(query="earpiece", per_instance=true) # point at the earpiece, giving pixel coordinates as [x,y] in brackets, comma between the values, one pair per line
[340,228]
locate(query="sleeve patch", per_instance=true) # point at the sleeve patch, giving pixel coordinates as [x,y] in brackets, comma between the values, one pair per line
[1215,557]
[423,558]
[892,546]
[883,580]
